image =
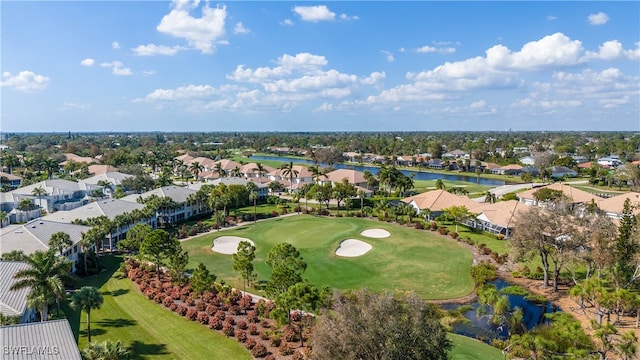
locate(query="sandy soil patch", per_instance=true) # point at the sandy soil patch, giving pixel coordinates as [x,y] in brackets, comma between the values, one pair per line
[228,244]
[353,248]
[375,233]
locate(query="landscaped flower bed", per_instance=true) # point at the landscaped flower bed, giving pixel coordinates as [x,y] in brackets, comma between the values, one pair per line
[223,309]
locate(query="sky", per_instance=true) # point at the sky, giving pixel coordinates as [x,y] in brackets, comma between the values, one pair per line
[319,66]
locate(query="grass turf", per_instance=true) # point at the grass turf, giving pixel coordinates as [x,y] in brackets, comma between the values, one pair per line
[465,348]
[147,329]
[433,267]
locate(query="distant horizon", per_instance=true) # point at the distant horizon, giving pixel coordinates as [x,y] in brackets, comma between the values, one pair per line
[347,66]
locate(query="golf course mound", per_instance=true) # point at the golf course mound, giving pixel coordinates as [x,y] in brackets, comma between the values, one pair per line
[228,244]
[353,248]
[375,233]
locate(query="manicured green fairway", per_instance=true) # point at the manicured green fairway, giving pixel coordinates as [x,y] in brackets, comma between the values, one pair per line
[433,267]
[148,329]
[465,348]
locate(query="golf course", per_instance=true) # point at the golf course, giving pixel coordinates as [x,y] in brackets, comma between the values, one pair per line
[407,260]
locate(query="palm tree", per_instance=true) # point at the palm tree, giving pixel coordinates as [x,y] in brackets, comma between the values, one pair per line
[440,185]
[26,204]
[106,185]
[45,278]
[85,299]
[219,170]
[382,208]
[426,214]
[290,172]
[260,170]
[107,350]
[39,192]
[85,244]
[50,165]
[196,168]
[253,196]
[60,241]
[317,172]
[235,172]
[3,217]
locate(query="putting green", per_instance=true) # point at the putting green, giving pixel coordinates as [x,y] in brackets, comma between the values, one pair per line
[407,260]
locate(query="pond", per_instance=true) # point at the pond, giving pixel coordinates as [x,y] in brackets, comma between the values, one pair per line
[417,175]
[482,329]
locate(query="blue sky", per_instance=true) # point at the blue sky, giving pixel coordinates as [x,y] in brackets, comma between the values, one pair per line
[319,66]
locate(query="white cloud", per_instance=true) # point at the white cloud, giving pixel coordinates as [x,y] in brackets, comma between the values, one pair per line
[287,22]
[183,92]
[613,49]
[478,104]
[240,29]
[389,55]
[87,62]
[117,68]
[153,49]
[115,45]
[614,102]
[303,62]
[598,19]
[314,13]
[549,52]
[552,17]
[26,81]
[148,72]
[431,49]
[74,106]
[200,33]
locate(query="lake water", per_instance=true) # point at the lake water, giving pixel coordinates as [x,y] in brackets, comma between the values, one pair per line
[481,327]
[417,175]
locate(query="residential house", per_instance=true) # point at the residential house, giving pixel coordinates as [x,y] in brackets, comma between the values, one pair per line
[497,218]
[559,172]
[262,189]
[534,171]
[456,154]
[512,169]
[69,157]
[613,206]
[183,211]
[405,160]
[302,175]
[438,200]
[12,181]
[113,178]
[36,234]
[575,196]
[101,169]
[610,161]
[249,171]
[13,303]
[60,194]
[111,208]
[51,340]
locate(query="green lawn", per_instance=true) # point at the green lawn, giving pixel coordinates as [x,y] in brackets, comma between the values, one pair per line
[433,267]
[465,348]
[146,328]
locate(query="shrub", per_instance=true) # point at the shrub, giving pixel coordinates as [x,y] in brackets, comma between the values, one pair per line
[443,230]
[230,320]
[200,305]
[286,348]
[291,334]
[265,335]
[298,355]
[500,237]
[433,226]
[235,310]
[228,329]
[274,213]
[266,324]
[525,270]
[190,302]
[167,301]
[251,343]
[454,235]
[203,317]
[181,310]
[192,313]
[270,357]
[215,323]
[221,314]
[259,350]
[241,336]
[211,310]
[253,329]
[252,317]
[158,298]
[295,316]
[276,339]
[173,306]
[419,225]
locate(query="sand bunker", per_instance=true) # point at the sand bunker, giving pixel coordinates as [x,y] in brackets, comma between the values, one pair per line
[228,244]
[353,248]
[375,233]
